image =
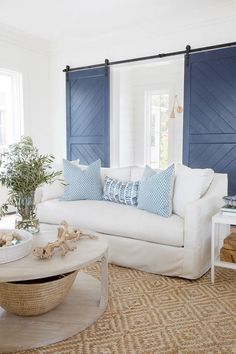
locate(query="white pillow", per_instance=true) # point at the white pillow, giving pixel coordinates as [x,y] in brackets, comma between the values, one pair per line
[136,173]
[56,189]
[190,185]
[119,173]
[52,191]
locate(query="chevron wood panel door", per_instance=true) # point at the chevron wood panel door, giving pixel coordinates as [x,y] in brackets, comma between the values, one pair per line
[88,116]
[210,112]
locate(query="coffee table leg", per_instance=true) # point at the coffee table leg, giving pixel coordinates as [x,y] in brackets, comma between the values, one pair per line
[104,280]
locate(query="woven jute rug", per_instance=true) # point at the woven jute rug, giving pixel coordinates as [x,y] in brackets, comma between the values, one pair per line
[149,313]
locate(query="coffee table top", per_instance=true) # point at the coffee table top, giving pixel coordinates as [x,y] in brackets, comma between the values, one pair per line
[30,267]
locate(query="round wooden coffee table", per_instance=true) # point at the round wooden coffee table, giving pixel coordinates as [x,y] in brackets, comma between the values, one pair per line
[85,303]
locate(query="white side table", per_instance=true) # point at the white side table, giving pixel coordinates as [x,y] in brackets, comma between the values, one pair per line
[217,238]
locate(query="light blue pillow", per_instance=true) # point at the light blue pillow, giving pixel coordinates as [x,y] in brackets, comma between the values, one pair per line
[82,184]
[120,192]
[155,191]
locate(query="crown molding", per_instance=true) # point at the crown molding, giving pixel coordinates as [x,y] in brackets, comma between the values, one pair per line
[23,40]
[150,30]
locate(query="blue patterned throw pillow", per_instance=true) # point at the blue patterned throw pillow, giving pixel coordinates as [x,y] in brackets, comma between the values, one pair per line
[120,192]
[155,191]
[82,184]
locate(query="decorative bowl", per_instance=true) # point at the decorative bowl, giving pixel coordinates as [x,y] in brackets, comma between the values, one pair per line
[230,200]
[19,250]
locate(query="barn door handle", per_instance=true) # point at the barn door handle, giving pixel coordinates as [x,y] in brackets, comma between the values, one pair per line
[106,66]
[188,49]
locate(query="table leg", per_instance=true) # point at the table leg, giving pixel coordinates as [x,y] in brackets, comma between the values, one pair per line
[213,253]
[104,280]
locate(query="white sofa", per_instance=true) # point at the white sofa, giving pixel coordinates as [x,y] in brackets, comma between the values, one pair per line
[175,246]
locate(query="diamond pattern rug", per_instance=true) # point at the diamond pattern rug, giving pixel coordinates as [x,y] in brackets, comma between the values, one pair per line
[152,314]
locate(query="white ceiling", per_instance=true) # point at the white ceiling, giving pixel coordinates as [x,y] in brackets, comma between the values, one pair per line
[57,19]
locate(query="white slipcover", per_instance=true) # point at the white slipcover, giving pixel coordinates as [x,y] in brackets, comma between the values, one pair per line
[114,219]
[170,246]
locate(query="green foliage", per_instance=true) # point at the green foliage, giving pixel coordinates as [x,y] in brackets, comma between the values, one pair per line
[24,170]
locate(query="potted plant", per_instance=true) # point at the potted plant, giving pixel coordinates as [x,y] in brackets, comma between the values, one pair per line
[24,170]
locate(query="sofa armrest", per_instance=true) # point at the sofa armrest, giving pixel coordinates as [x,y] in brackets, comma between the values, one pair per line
[198,214]
[197,235]
[197,223]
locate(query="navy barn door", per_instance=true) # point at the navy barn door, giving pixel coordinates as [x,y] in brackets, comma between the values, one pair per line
[210,112]
[87,100]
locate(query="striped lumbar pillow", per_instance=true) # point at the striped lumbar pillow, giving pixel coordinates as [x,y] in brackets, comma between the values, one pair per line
[120,192]
[156,190]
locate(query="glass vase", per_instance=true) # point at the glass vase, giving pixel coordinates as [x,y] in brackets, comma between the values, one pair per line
[26,215]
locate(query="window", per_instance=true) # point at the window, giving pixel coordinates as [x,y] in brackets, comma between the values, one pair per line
[11,108]
[156,114]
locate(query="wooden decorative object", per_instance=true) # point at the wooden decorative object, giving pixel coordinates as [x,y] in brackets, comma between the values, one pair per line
[230,241]
[228,251]
[63,236]
[47,251]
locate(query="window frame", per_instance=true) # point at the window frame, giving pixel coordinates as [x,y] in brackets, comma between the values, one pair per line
[147,126]
[17,103]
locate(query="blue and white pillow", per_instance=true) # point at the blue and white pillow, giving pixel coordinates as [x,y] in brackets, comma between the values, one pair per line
[120,192]
[82,183]
[156,190]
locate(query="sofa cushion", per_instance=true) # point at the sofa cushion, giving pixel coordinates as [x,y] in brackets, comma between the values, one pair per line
[156,191]
[55,189]
[136,173]
[190,185]
[114,219]
[82,183]
[120,173]
[120,192]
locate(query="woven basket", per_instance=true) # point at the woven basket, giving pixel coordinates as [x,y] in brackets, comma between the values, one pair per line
[35,297]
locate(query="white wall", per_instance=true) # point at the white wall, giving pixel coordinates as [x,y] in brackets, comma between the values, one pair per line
[22,53]
[122,45]
[44,81]
[122,117]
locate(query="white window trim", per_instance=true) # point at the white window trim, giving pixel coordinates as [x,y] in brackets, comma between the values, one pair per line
[147,133]
[17,104]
